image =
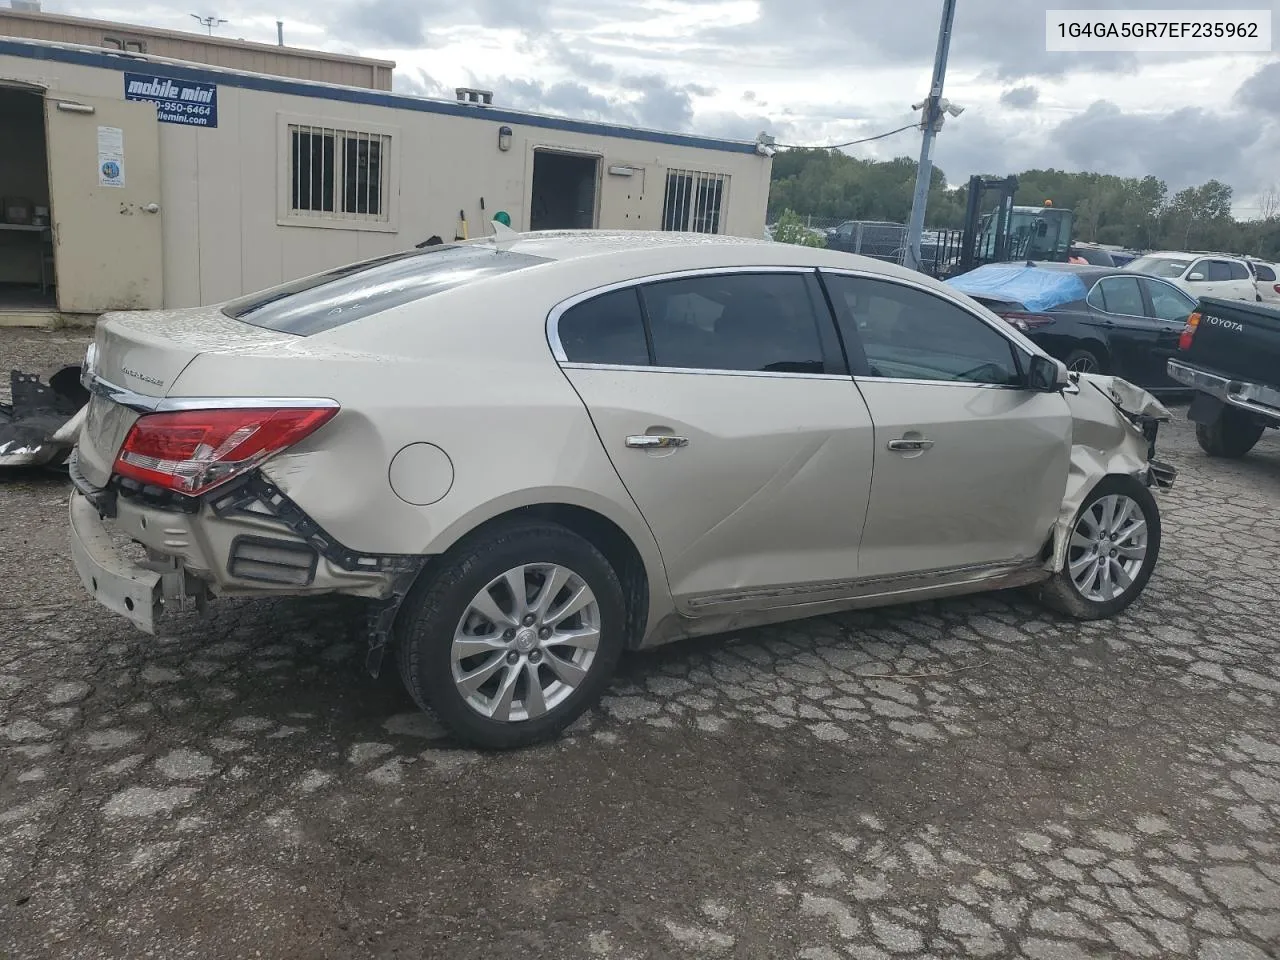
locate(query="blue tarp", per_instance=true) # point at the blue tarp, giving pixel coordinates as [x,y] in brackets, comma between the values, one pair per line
[1033,287]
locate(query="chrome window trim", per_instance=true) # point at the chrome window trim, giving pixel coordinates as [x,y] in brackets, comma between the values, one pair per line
[553,318]
[142,403]
[940,383]
[703,371]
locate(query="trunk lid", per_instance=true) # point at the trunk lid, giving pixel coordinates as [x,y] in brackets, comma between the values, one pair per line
[137,357]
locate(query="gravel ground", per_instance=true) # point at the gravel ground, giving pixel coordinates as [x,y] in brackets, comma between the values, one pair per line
[969,778]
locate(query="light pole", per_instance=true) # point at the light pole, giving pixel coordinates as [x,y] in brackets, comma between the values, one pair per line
[931,118]
[209,22]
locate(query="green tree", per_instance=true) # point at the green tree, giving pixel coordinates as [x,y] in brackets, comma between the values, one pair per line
[791,229]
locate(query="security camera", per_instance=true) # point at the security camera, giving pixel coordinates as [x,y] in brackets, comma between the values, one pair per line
[919,106]
[954,110]
[765,150]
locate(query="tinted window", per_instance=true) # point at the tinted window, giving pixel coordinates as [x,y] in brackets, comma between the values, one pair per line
[328,300]
[912,335]
[1217,270]
[1169,303]
[1265,273]
[755,322]
[1121,295]
[606,329]
[1239,271]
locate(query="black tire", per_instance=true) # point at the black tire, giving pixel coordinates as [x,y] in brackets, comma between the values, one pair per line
[1084,361]
[433,611]
[1232,435]
[1060,592]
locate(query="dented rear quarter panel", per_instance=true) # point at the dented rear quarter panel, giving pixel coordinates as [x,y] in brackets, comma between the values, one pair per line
[512,426]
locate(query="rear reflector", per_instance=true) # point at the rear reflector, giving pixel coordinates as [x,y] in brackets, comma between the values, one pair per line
[191,451]
[1189,332]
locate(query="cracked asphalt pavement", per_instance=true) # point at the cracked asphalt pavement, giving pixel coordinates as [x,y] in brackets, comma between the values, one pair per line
[966,778]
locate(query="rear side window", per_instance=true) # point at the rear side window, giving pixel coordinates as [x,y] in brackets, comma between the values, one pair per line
[605,329]
[1121,295]
[748,322]
[1218,270]
[1265,273]
[316,304]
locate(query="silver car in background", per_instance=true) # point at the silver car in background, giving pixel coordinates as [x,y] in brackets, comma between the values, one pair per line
[535,451]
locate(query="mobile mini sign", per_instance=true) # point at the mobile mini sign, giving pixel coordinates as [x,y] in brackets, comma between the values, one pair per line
[177,101]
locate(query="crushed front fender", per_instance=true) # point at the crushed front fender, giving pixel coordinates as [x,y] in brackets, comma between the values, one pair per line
[1114,429]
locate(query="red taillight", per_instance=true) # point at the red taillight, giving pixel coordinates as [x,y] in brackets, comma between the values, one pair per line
[1189,332]
[1276,287]
[190,451]
[1027,321]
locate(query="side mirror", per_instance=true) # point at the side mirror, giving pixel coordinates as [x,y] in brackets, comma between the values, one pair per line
[1195,277]
[1046,375]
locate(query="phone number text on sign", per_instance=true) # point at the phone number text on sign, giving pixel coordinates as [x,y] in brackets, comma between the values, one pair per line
[1158,31]
[177,101]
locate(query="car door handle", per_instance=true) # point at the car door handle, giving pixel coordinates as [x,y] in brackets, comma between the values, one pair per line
[656,442]
[910,444]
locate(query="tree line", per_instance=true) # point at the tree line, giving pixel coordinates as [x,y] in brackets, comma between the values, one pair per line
[1138,213]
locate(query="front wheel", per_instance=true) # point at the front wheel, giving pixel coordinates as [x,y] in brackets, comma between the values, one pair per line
[514,637]
[1114,544]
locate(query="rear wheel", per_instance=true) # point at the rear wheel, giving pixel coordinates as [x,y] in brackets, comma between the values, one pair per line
[1232,435]
[1083,361]
[1113,547]
[514,637]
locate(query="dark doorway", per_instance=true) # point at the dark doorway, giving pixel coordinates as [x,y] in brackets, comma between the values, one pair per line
[564,191]
[26,240]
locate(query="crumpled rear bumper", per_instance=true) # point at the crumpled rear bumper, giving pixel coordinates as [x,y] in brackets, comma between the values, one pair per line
[129,589]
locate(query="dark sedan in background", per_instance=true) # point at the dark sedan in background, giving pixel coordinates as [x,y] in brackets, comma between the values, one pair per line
[1093,319]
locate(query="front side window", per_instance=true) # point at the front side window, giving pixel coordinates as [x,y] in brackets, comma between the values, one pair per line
[1239,271]
[337,174]
[605,329]
[760,323]
[315,304]
[1169,303]
[909,334]
[1121,295]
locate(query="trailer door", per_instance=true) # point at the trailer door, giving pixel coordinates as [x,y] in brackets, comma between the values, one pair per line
[104,183]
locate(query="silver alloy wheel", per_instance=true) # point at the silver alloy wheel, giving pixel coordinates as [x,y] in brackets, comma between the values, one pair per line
[1084,365]
[526,642]
[1108,547]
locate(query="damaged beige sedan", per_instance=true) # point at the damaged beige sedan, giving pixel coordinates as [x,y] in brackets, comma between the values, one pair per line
[535,451]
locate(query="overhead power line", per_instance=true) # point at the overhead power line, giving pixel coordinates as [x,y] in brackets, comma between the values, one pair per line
[850,143]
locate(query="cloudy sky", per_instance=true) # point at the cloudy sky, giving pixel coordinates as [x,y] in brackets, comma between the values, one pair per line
[811,72]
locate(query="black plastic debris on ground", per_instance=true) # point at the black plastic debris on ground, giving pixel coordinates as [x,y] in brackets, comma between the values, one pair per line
[38,410]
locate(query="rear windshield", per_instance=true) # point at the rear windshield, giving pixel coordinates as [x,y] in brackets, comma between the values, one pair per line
[1158,266]
[328,300]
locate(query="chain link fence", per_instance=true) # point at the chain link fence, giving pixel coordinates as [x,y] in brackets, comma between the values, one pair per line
[879,239]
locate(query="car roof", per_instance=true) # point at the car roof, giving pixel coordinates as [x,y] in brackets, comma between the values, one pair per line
[662,251]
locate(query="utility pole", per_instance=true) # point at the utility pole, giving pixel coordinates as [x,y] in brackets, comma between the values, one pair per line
[208,22]
[931,119]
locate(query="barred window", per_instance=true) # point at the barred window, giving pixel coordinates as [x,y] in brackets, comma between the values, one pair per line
[693,201]
[338,174]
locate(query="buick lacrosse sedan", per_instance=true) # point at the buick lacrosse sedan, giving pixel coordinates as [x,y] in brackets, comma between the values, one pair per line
[533,452]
